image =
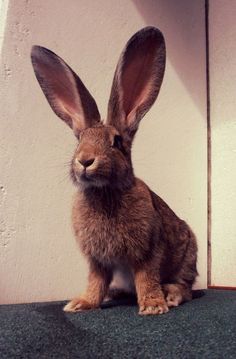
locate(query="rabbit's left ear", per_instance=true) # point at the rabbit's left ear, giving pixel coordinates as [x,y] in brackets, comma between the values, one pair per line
[137,80]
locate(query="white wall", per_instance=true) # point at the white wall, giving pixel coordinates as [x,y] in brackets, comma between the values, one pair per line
[222,28]
[38,256]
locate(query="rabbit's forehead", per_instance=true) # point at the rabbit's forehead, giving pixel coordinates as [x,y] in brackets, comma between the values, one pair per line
[102,134]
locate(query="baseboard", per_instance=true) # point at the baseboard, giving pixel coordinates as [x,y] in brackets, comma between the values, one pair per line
[221,287]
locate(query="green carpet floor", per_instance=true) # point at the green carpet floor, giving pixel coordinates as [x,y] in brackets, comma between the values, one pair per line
[202,328]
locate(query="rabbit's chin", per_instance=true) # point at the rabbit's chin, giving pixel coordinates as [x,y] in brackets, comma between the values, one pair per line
[89,182]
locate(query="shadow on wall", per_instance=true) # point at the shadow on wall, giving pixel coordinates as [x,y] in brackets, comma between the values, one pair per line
[185,23]
[184,45]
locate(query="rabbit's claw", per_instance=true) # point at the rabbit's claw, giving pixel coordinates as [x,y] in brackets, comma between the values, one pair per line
[78,305]
[152,310]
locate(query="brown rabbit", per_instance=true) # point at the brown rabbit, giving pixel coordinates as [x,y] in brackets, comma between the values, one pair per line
[121,225]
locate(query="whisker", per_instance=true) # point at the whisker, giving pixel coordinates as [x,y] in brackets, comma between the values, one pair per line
[65,179]
[67,163]
[59,164]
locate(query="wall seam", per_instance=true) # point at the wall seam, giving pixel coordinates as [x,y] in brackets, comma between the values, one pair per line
[209,209]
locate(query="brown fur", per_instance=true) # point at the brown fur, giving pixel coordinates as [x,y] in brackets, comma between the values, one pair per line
[119,223]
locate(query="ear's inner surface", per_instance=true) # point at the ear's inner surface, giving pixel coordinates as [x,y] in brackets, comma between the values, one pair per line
[59,87]
[137,80]
[64,90]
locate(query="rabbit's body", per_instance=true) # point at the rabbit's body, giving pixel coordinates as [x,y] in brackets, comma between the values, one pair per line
[130,227]
[122,231]
[123,228]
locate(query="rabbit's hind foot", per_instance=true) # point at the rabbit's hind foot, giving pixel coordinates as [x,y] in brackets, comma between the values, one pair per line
[176,294]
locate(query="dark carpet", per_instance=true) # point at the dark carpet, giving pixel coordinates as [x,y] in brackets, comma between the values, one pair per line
[202,328]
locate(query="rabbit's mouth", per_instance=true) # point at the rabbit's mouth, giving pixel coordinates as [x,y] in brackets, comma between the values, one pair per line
[85,177]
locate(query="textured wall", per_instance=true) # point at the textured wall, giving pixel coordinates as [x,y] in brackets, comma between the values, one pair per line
[223,119]
[38,255]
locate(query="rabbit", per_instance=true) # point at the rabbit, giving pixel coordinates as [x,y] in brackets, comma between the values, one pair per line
[121,225]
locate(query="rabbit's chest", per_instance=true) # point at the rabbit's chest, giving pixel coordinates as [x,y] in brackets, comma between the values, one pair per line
[110,238]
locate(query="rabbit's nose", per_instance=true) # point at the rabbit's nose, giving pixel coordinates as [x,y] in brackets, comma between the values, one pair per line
[86,163]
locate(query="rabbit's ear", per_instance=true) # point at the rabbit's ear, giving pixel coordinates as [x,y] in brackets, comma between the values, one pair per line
[64,90]
[137,80]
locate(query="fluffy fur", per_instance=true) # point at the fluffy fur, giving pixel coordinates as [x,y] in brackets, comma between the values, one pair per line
[124,229]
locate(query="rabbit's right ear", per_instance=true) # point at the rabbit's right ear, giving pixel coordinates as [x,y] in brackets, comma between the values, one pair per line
[64,90]
[137,80]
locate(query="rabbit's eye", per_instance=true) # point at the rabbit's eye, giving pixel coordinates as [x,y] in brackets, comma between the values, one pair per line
[117,143]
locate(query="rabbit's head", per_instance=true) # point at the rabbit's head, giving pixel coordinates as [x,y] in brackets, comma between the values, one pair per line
[103,155]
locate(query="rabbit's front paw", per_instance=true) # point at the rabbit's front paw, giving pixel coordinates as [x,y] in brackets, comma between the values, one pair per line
[78,305]
[156,307]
